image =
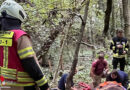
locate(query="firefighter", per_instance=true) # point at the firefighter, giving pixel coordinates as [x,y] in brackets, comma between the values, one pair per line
[120,46]
[18,63]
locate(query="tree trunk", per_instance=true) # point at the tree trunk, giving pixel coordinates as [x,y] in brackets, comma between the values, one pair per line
[60,63]
[101,5]
[75,61]
[44,49]
[121,16]
[107,17]
[113,20]
[126,14]
[92,39]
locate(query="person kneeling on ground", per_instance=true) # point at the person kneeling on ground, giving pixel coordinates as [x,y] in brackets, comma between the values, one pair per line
[118,76]
[62,81]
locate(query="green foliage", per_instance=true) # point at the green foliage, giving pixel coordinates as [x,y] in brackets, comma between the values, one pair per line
[83,76]
[46,15]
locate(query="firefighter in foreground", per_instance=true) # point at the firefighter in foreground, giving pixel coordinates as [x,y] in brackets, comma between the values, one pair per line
[120,46]
[18,63]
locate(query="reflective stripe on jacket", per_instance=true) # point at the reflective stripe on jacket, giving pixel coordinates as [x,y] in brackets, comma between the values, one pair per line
[118,52]
[10,65]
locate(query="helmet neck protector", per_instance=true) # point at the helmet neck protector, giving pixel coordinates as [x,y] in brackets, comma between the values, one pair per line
[9,23]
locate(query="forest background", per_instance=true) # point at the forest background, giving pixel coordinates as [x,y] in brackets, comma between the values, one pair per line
[69,33]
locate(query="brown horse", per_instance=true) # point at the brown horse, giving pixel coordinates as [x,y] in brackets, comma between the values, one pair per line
[110,85]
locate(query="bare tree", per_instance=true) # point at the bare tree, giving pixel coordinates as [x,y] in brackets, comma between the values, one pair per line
[101,5]
[60,63]
[107,17]
[126,14]
[113,20]
[44,49]
[121,15]
[75,61]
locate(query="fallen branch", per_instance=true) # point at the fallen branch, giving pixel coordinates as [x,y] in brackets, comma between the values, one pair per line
[89,45]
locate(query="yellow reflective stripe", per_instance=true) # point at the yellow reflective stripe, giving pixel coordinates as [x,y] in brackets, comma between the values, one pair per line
[6,56]
[25,55]
[126,49]
[5,61]
[123,45]
[118,56]
[20,77]
[112,42]
[12,71]
[41,81]
[25,52]
[8,72]
[113,48]
[11,83]
[9,76]
[25,79]
[25,49]
[23,74]
[6,34]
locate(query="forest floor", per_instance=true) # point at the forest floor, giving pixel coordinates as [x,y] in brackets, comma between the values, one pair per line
[84,65]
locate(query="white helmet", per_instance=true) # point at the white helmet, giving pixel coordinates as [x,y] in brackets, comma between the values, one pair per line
[13,9]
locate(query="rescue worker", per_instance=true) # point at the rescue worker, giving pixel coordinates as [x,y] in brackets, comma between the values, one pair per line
[118,76]
[62,82]
[120,46]
[99,69]
[18,63]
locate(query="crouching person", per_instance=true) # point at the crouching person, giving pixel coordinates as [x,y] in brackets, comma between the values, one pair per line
[99,69]
[118,76]
[62,82]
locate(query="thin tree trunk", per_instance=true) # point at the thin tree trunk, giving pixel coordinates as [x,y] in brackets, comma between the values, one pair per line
[75,3]
[126,14]
[92,39]
[101,6]
[107,17]
[121,15]
[60,64]
[44,49]
[106,21]
[75,61]
[113,20]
